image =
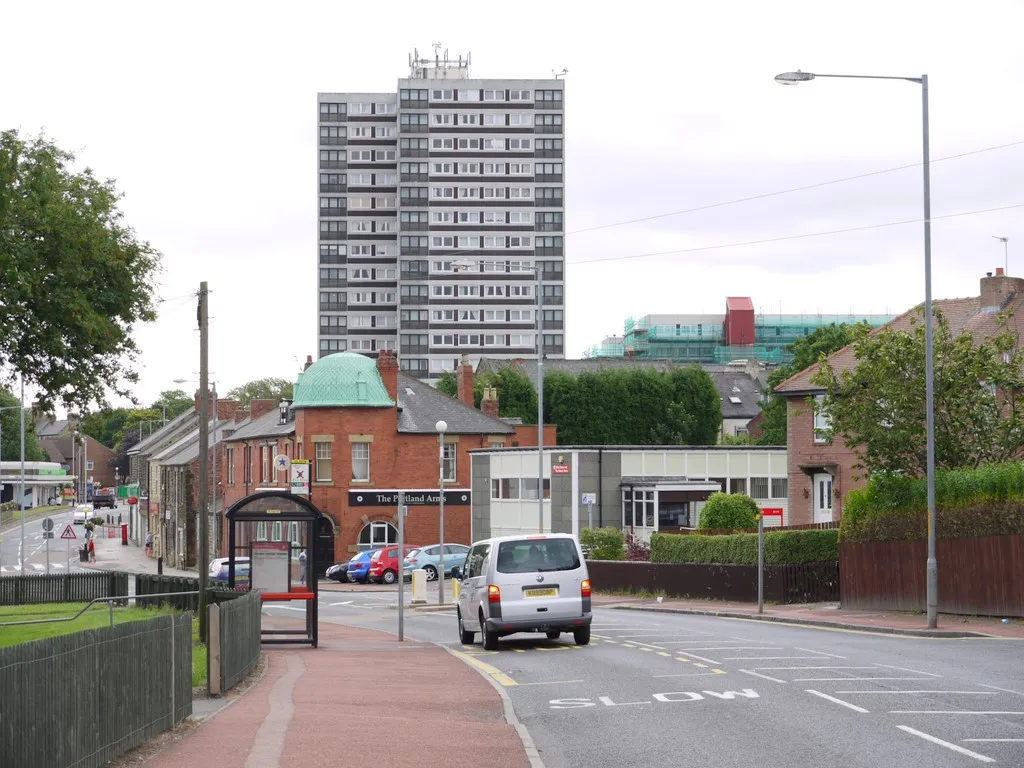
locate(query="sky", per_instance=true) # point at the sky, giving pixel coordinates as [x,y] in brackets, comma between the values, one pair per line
[205,114]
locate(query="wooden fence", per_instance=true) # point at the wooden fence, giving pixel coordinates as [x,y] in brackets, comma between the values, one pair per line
[83,699]
[977,577]
[61,587]
[239,637]
[793,583]
[171,586]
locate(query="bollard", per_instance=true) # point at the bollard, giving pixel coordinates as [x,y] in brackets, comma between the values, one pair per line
[419,586]
[160,566]
[456,590]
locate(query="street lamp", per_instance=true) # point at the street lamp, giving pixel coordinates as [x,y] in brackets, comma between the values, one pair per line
[441,427]
[932,569]
[21,485]
[536,268]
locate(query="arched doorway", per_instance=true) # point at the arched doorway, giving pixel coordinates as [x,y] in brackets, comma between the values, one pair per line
[324,543]
[377,534]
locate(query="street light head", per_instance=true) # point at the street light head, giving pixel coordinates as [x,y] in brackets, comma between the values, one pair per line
[180,381]
[794,78]
[441,426]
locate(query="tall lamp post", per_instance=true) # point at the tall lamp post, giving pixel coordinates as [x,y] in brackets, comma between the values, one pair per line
[932,568]
[441,427]
[21,486]
[536,268]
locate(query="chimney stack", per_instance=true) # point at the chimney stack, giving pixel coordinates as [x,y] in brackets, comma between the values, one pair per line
[489,402]
[997,290]
[387,367]
[465,380]
[999,272]
[309,362]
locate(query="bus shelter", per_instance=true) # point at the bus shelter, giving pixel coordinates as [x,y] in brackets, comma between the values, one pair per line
[275,530]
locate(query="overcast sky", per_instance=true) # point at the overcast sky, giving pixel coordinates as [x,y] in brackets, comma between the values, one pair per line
[205,113]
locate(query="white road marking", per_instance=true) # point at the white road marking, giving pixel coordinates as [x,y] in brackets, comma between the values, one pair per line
[1000,741]
[692,674]
[763,677]
[849,679]
[765,658]
[347,602]
[736,648]
[821,653]
[1004,690]
[815,668]
[834,700]
[962,693]
[946,744]
[905,669]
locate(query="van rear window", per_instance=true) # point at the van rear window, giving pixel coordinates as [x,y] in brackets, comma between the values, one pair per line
[532,555]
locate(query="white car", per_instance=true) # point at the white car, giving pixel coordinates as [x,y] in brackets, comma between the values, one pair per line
[83,514]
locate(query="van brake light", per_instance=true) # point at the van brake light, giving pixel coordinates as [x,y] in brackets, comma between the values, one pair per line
[585,588]
[493,594]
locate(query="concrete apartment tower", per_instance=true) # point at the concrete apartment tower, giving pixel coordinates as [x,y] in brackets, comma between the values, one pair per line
[439,203]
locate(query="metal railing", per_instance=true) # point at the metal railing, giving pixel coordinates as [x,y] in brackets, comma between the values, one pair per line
[111,601]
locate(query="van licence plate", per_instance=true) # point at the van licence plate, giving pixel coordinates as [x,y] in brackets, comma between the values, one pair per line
[543,592]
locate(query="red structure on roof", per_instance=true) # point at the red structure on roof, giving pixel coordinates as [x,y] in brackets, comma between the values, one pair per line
[739,321]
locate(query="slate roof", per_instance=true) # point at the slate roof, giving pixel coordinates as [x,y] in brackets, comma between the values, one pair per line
[55,447]
[960,314]
[265,426]
[420,407]
[727,378]
[190,451]
[154,440]
[46,427]
[339,380]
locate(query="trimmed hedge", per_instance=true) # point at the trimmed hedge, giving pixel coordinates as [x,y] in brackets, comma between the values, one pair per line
[604,543]
[970,503]
[780,547]
[724,511]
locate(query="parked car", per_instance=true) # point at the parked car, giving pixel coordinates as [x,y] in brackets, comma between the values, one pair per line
[524,584]
[104,497]
[359,567]
[219,570]
[384,564]
[83,514]
[428,559]
[338,572]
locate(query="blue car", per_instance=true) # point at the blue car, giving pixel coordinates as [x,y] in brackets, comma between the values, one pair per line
[359,567]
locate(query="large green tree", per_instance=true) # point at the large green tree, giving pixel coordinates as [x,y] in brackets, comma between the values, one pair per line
[878,406]
[10,431]
[807,351]
[173,402]
[76,279]
[516,394]
[262,389]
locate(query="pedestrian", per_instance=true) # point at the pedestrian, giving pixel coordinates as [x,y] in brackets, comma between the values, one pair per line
[149,544]
[92,550]
[302,566]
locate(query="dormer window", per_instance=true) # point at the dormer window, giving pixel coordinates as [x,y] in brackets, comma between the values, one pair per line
[361,392]
[283,407]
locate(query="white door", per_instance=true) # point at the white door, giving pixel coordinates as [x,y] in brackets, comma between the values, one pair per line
[823,498]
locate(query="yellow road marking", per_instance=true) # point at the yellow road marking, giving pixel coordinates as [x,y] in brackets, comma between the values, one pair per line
[616,642]
[719,671]
[495,673]
[647,649]
[629,645]
[663,653]
[680,658]
[702,666]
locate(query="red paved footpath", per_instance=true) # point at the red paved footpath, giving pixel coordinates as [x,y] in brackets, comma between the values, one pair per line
[825,614]
[360,698]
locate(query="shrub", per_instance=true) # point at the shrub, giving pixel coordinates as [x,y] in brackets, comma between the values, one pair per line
[604,543]
[729,511]
[637,550]
[780,547]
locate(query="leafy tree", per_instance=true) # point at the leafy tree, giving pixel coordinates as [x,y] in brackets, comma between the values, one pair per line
[120,460]
[76,280]
[262,389]
[694,393]
[449,384]
[878,406]
[516,394]
[807,351]
[728,512]
[10,431]
[174,401]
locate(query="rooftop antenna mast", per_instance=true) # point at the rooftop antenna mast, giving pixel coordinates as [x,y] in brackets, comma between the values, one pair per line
[560,75]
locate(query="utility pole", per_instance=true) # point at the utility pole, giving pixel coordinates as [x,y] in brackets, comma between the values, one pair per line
[204,456]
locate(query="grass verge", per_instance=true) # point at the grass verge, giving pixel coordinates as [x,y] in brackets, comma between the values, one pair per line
[199,653]
[97,616]
[10,518]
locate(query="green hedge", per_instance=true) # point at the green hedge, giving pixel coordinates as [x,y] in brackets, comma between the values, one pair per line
[729,511]
[604,543]
[780,547]
[970,503]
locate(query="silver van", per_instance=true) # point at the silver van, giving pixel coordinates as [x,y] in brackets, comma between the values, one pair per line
[524,584]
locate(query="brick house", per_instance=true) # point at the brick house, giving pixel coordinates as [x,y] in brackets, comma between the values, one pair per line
[368,430]
[55,437]
[821,469]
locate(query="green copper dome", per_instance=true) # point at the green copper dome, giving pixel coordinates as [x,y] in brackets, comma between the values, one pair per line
[345,379]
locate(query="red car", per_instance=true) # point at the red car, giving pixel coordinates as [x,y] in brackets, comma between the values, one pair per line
[385,565]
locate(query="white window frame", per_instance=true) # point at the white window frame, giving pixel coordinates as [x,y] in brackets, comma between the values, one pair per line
[361,462]
[450,462]
[322,457]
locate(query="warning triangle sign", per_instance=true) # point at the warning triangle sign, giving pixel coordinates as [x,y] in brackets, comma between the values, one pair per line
[69,532]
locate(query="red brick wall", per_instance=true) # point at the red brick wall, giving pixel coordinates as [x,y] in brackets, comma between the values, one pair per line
[803,451]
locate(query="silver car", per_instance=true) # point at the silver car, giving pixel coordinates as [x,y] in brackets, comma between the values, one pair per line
[524,584]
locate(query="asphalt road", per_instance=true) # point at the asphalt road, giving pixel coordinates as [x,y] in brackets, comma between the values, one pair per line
[669,689]
[35,544]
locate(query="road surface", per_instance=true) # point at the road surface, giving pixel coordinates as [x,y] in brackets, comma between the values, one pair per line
[669,689]
[35,545]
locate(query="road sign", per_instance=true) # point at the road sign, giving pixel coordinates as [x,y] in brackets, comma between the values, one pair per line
[300,477]
[47,524]
[69,533]
[47,534]
[590,498]
[281,462]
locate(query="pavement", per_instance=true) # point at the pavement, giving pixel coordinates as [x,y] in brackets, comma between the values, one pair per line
[360,697]
[112,555]
[827,615]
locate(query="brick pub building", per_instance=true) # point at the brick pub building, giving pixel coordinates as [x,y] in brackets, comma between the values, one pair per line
[368,431]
